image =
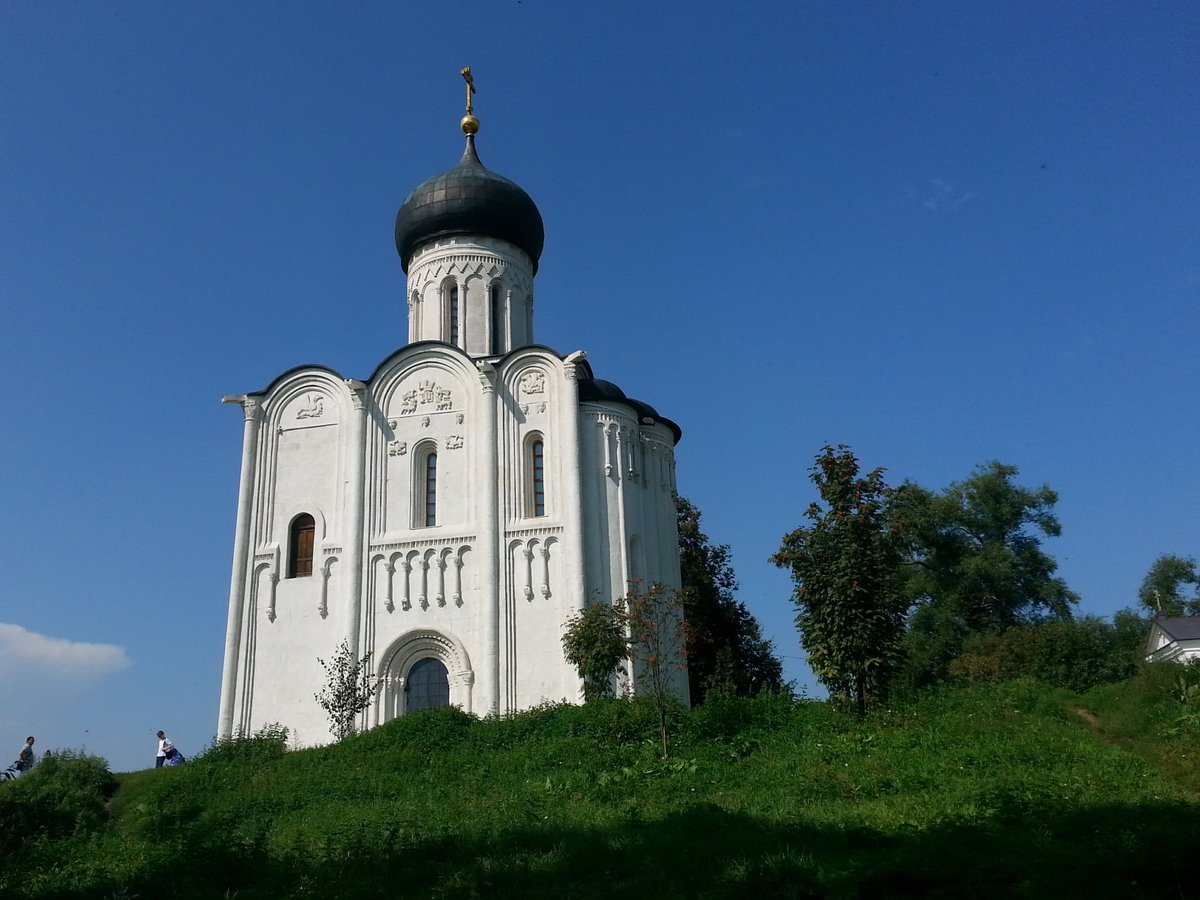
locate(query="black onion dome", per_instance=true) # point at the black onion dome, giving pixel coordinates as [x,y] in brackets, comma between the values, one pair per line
[469,199]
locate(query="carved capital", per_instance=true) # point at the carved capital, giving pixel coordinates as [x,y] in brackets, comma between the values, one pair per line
[570,364]
[487,376]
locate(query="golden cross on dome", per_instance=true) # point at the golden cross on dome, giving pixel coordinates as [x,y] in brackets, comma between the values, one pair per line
[466,74]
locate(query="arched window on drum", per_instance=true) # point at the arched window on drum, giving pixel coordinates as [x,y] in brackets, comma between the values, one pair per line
[450,292]
[496,318]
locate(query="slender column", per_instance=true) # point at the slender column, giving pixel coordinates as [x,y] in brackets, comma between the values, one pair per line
[458,564]
[252,410]
[622,522]
[573,566]
[355,523]
[489,539]
[528,554]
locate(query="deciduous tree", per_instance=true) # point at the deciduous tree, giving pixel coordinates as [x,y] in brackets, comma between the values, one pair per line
[729,652]
[349,687]
[1172,587]
[659,636]
[845,564]
[595,641]
[976,563]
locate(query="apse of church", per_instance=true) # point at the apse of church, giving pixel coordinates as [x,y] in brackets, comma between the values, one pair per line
[451,511]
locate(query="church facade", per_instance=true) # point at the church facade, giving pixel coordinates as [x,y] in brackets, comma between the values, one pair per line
[450,512]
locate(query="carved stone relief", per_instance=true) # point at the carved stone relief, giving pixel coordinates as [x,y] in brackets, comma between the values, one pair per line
[314,407]
[426,393]
[533,383]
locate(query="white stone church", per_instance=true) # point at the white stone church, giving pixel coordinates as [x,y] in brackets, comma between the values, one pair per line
[449,512]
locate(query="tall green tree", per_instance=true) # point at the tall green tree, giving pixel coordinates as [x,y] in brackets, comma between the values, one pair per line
[1171,587]
[846,566]
[976,563]
[729,653]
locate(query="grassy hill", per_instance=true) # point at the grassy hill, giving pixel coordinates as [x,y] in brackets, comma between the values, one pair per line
[997,791]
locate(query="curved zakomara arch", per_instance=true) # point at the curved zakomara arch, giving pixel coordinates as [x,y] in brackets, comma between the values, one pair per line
[305,380]
[404,652]
[425,355]
[516,364]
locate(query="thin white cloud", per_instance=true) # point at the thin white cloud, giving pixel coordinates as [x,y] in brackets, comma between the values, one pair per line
[944,196]
[31,655]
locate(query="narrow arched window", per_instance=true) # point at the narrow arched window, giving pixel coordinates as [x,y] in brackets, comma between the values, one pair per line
[537,461]
[301,539]
[452,312]
[496,306]
[414,317]
[431,489]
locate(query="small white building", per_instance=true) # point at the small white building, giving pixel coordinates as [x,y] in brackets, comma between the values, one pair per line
[1174,638]
[451,510]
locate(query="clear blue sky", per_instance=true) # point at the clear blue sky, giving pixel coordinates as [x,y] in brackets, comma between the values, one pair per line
[942,233]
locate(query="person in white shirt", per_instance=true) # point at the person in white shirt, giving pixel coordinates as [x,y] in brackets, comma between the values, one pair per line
[163,743]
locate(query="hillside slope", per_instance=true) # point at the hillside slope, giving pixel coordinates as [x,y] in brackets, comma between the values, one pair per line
[984,792]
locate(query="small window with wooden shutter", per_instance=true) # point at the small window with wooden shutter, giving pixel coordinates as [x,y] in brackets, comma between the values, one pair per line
[300,546]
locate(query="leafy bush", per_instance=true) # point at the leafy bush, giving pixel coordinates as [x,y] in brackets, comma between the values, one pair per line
[349,687]
[594,642]
[1077,654]
[61,795]
[1187,694]
[269,742]
[428,731]
[723,717]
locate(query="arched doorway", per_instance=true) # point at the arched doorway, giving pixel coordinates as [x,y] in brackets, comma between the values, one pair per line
[427,685]
[423,668]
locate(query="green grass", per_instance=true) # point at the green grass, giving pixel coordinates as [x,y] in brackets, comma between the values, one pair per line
[1001,791]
